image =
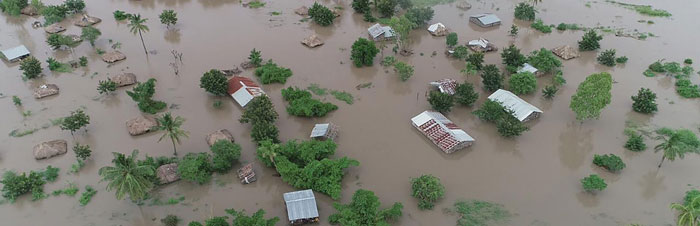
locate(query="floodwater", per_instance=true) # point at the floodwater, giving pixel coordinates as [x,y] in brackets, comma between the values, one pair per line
[535,176]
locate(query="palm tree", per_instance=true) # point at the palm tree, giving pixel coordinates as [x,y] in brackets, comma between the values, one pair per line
[171,127]
[127,177]
[689,213]
[137,25]
[676,143]
[268,149]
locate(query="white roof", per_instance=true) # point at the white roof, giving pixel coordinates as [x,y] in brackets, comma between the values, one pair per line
[319,130]
[487,18]
[434,27]
[301,205]
[521,109]
[15,53]
[377,29]
[483,43]
[527,68]
[444,123]
[445,85]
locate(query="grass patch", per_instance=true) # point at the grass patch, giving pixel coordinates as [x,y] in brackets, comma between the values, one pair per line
[643,9]
[87,195]
[540,26]
[430,3]
[480,213]
[169,202]
[21,133]
[256,4]
[686,89]
[343,96]
[70,190]
[565,26]
[316,89]
[275,13]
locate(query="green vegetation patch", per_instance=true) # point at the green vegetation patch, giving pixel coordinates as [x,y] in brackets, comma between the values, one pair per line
[87,195]
[480,213]
[540,26]
[643,9]
[317,90]
[430,3]
[343,96]
[256,4]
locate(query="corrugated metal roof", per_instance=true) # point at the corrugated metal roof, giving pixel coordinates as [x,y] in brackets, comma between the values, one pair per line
[521,109]
[483,43]
[301,205]
[527,68]
[243,90]
[445,85]
[487,18]
[375,30]
[319,130]
[15,53]
[434,27]
[440,130]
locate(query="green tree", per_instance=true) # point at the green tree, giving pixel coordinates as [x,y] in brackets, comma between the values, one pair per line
[120,15]
[509,126]
[127,177]
[106,86]
[491,78]
[544,60]
[441,102]
[138,25]
[688,212]
[225,153]
[255,58]
[607,58]
[91,34]
[74,6]
[271,73]
[171,128]
[428,190]
[321,14]
[512,58]
[611,162]
[593,182]
[16,101]
[404,70]
[635,143]
[170,220]
[476,59]
[54,14]
[15,185]
[363,52]
[419,16]
[142,94]
[13,7]
[83,61]
[524,11]
[465,94]
[644,101]
[451,39]
[363,209]
[301,103]
[259,109]
[513,30]
[264,131]
[82,152]
[676,143]
[361,6]
[267,151]
[402,26]
[257,219]
[385,7]
[590,41]
[405,4]
[214,82]
[460,52]
[522,83]
[591,96]
[168,17]
[195,167]
[76,120]
[31,67]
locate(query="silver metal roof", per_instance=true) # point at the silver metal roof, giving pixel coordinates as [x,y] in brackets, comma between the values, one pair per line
[521,109]
[301,205]
[527,68]
[487,18]
[377,29]
[319,130]
[15,53]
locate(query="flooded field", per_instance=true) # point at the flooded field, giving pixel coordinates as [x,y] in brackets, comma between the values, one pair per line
[534,176]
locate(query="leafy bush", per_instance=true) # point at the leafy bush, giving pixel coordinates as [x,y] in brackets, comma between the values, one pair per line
[271,73]
[593,182]
[195,167]
[506,123]
[451,39]
[420,16]
[635,143]
[91,34]
[214,82]
[476,59]
[87,195]
[524,11]
[544,60]
[74,6]
[404,70]
[257,219]
[120,15]
[491,78]
[83,61]
[31,67]
[50,174]
[13,7]
[255,58]
[142,94]
[460,52]
[686,89]
[170,220]
[592,95]
[361,6]
[644,101]
[428,190]
[388,61]
[590,41]
[657,67]
[540,26]
[607,58]
[621,60]
[16,101]
[386,7]
[610,162]
[225,153]
[301,103]
[441,102]
[564,27]
[512,58]
[15,185]
[363,52]
[480,213]
[688,61]
[106,86]
[321,14]
[690,195]
[363,209]
[465,94]
[54,14]
[522,83]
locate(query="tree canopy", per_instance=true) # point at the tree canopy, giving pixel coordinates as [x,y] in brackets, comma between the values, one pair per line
[590,41]
[76,120]
[592,95]
[127,177]
[363,52]
[644,101]
[301,103]
[321,14]
[428,190]
[522,83]
[512,58]
[491,78]
[31,67]
[142,94]
[676,143]
[544,60]
[271,73]
[364,210]
[214,82]
[168,17]
[441,102]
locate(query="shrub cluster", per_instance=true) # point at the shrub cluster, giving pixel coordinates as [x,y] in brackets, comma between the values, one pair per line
[428,190]
[271,73]
[506,123]
[261,113]
[611,162]
[301,103]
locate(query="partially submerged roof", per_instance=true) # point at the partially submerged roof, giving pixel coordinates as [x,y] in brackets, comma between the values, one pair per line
[435,27]
[481,42]
[243,90]
[376,30]
[521,109]
[527,68]
[487,19]
[441,131]
[445,85]
[16,53]
[301,205]
[320,130]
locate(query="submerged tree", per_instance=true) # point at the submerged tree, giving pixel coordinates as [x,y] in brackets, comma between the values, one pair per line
[592,95]
[168,17]
[512,58]
[451,39]
[76,120]
[590,41]
[361,6]
[31,67]
[142,94]
[404,70]
[465,94]
[524,11]
[402,26]
[106,86]
[522,83]
[441,102]
[214,82]
[257,219]
[364,210]
[321,14]
[91,34]
[689,212]
[127,177]
[363,52]
[491,78]
[255,58]
[428,190]
[13,7]
[171,128]
[385,7]
[644,101]
[676,143]
[137,25]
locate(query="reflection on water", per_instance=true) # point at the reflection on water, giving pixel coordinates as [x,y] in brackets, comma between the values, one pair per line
[575,145]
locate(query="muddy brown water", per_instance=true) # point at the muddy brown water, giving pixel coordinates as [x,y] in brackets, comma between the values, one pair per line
[535,176]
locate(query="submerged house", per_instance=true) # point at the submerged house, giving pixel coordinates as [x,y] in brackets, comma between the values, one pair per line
[326,131]
[441,131]
[380,33]
[301,207]
[481,45]
[445,85]
[438,29]
[485,20]
[522,110]
[243,90]
[15,54]
[528,68]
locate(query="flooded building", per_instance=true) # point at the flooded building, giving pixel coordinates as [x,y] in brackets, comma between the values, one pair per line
[485,20]
[326,131]
[522,110]
[438,29]
[441,131]
[481,45]
[445,85]
[528,68]
[380,33]
[15,54]
[243,90]
[301,207]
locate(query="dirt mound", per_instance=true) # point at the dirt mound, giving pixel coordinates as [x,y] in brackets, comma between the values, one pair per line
[124,79]
[167,173]
[87,21]
[140,125]
[30,11]
[303,11]
[50,149]
[54,28]
[45,91]
[312,41]
[566,52]
[112,57]
[215,136]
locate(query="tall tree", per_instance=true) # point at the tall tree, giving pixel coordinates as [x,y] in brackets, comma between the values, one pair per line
[402,26]
[127,177]
[592,95]
[363,52]
[168,17]
[676,143]
[137,25]
[76,120]
[171,127]
[688,213]
[364,210]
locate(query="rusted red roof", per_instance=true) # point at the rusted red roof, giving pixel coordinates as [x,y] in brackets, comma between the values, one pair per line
[237,82]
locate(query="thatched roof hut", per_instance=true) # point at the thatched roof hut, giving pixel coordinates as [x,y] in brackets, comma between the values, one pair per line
[50,149]
[167,173]
[87,21]
[30,10]
[141,125]
[566,52]
[112,57]
[45,91]
[215,136]
[124,79]
[54,28]
[312,41]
